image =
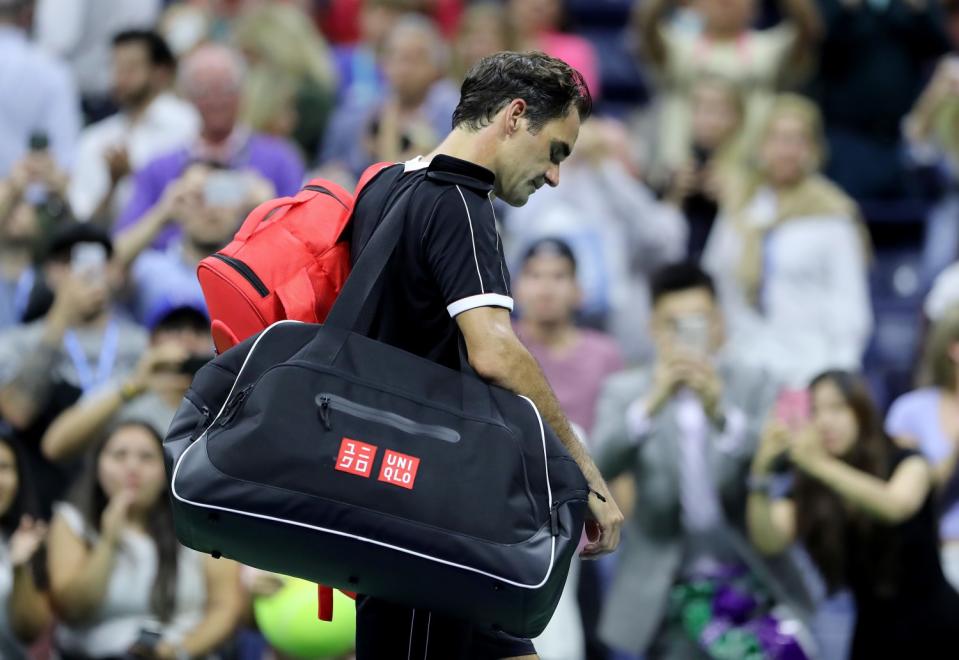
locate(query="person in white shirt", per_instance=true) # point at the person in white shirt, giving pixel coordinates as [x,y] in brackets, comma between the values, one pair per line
[79,33]
[151,122]
[790,256]
[39,101]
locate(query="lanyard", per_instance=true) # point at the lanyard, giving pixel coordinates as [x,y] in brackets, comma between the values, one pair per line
[21,297]
[108,357]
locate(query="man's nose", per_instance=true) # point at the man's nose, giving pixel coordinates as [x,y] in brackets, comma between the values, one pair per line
[552,176]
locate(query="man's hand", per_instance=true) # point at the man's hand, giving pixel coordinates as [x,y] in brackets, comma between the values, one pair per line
[118,162]
[26,540]
[605,520]
[701,377]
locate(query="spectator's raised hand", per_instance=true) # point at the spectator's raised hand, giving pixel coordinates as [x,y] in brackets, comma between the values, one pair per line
[26,540]
[806,450]
[157,369]
[116,515]
[774,441]
[118,162]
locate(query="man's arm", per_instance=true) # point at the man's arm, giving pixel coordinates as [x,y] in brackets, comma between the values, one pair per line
[498,356]
[648,17]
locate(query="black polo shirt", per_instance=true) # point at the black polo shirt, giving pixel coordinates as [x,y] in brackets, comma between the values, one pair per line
[449,258]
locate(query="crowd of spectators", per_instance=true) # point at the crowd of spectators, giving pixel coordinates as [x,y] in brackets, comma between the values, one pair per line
[744,291]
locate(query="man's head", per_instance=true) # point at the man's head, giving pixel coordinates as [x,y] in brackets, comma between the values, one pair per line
[185,323]
[686,316]
[79,252]
[546,289]
[212,79]
[142,63]
[16,12]
[211,223]
[414,57]
[532,105]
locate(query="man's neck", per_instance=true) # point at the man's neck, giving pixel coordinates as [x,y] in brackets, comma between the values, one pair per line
[718,34]
[193,253]
[556,336]
[475,147]
[136,112]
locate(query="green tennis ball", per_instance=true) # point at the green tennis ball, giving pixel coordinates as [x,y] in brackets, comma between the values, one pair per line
[289,622]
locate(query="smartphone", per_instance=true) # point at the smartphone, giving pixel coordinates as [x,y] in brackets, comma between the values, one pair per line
[147,640]
[89,260]
[192,365]
[39,141]
[224,188]
[792,408]
[693,333]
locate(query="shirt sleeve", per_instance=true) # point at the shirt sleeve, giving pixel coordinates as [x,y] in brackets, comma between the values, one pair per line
[464,253]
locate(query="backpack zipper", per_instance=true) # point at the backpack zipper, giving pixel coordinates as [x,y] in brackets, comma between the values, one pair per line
[328,402]
[321,189]
[245,271]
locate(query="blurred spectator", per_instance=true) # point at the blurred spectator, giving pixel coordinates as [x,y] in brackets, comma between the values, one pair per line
[931,130]
[343,20]
[80,33]
[415,113]
[871,66]
[927,419]
[484,29]
[576,362]
[790,256]
[24,226]
[726,46]
[44,110]
[179,341]
[151,122]
[281,38]
[269,103]
[866,512]
[120,581]
[944,294]
[537,24]
[208,205]
[24,611]
[686,427]
[212,79]
[81,345]
[619,232]
[715,145]
[359,75]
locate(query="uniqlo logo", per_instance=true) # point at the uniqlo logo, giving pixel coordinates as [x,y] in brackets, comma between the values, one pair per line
[356,457]
[399,469]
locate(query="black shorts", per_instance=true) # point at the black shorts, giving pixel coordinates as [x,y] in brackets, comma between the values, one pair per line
[385,631]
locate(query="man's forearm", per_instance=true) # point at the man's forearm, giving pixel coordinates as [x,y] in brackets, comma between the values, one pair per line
[523,375]
[29,390]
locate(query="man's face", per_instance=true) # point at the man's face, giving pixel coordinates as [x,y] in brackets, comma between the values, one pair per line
[547,290]
[410,66]
[527,161]
[217,100]
[687,321]
[132,74]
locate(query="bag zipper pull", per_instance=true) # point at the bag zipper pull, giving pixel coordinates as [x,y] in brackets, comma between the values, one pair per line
[325,413]
[554,519]
[234,405]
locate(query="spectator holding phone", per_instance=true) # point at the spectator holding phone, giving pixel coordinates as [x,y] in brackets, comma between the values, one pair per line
[865,510]
[927,419]
[24,610]
[121,583]
[686,428]
[211,78]
[80,346]
[207,204]
[790,255]
[179,343]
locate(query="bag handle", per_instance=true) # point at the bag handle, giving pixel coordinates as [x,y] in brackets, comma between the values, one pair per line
[259,214]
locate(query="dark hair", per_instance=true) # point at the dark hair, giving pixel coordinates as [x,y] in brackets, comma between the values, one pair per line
[156,46]
[681,276]
[88,496]
[824,523]
[552,246]
[24,501]
[549,86]
[183,318]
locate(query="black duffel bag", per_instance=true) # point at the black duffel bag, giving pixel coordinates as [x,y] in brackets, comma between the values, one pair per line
[314,451]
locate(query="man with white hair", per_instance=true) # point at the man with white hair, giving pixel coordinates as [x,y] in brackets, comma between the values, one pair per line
[415,113]
[211,78]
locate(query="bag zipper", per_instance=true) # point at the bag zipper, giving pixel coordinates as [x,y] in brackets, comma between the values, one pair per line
[233,405]
[245,271]
[327,402]
[321,189]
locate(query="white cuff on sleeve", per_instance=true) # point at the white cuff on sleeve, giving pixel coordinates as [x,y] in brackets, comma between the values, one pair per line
[481,300]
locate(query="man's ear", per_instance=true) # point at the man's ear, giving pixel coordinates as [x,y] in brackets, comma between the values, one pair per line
[515,116]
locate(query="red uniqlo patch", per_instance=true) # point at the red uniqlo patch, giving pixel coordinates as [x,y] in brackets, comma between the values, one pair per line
[399,469]
[356,457]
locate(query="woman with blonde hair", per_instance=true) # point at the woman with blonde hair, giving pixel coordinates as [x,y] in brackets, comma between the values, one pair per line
[484,29]
[279,37]
[790,254]
[927,419]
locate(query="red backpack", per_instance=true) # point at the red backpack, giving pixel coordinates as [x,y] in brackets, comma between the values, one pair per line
[287,261]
